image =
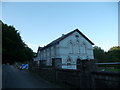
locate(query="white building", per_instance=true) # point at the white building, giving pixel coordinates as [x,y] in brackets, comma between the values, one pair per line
[69,48]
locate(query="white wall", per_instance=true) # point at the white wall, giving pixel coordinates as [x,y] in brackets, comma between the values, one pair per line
[79,49]
[48,54]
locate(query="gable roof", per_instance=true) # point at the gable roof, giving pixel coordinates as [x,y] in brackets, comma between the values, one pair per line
[64,36]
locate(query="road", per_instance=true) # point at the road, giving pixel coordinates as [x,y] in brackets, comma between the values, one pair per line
[14,78]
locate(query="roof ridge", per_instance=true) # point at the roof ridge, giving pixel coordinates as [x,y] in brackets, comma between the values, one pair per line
[63,37]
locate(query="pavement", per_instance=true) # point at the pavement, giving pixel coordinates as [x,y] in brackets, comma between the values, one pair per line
[15,78]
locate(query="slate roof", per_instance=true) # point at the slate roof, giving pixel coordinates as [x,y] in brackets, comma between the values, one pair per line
[63,37]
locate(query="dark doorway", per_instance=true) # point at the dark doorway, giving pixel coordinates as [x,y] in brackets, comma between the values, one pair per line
[78,63]
[57,62]
[53,62]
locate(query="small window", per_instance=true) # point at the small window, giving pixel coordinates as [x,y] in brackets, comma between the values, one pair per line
[76,36]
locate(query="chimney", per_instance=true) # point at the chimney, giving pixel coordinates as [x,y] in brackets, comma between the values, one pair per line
[62,35]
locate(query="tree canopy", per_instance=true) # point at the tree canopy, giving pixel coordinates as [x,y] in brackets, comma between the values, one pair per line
[112,55]
[13,47]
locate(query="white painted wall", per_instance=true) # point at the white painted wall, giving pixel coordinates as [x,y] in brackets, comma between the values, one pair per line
[79,49]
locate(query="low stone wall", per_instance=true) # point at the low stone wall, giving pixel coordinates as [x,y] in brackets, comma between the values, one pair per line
[85,77]
[104,79]
[79,79]
[67,76]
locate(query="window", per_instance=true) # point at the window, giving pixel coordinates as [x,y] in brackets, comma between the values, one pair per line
[77,41]
[50,52]
[77,46]
[55,51]
[46,53]
[84,47]
[69,60]
[76,36]
[70,46]
[38,62]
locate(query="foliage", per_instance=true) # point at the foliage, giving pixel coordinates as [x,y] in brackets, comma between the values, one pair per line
[113,54]
[13,47]
[99,54]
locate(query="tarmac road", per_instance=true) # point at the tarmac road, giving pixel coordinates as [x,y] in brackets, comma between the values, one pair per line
[14,78]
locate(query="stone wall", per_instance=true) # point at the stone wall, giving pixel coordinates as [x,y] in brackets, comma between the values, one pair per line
[76,78]
[104,79]
[85,77]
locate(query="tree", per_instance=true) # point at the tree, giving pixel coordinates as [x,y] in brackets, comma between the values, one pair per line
[99,54]
[13,47]
[114,54]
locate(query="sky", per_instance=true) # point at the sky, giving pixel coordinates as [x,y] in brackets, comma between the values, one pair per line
[39,23]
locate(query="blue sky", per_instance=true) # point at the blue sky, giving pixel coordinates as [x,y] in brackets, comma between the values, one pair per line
[40,23]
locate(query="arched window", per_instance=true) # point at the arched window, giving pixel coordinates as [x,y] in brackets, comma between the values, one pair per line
[49,52]
[84,47]
[69,60]
[55,50]
[76,46]
[70,45]
[77,41]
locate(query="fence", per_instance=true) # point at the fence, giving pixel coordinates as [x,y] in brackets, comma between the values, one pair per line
[85,77]
[114,66]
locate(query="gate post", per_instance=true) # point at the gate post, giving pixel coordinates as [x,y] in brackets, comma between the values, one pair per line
[87,66]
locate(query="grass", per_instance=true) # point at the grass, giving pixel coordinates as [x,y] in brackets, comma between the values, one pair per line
[109,66]
[108,69]
[114,69]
